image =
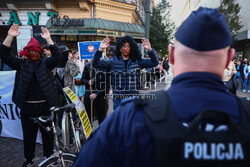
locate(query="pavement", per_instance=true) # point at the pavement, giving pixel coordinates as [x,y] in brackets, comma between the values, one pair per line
[11,150]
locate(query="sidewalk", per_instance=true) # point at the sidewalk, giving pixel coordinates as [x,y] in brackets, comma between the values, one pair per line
[11,152]
[243,94]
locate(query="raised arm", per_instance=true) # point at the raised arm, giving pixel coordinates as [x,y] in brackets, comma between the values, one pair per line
[55,58]
[153,61]
[97,62]
[5,49]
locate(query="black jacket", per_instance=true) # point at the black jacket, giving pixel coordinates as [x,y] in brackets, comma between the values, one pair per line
[25,69]
[100,77]
[165,65]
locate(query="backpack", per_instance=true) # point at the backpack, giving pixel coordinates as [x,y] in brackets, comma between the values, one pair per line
[196,144]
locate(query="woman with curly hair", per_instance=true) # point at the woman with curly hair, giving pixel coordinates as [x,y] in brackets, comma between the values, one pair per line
[125,66]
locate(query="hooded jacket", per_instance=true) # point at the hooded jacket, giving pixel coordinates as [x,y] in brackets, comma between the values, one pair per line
[25,69]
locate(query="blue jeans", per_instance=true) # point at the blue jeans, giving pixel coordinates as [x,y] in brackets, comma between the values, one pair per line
[241,81]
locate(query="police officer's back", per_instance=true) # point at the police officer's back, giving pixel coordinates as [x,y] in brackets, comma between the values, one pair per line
[195,122]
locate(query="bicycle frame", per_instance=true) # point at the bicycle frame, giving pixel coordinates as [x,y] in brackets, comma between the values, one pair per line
[58,153]
[68,118]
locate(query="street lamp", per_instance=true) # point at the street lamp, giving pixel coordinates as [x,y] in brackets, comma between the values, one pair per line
[147,19]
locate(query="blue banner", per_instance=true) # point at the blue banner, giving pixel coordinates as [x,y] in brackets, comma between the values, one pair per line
[88,49]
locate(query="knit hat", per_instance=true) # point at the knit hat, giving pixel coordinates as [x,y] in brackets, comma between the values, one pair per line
[204,30]
[32,45]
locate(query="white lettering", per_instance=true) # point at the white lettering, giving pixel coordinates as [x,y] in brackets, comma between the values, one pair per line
[205,152]
[188,149]
[213,150]
[217,151]
[238,152]
[197,151]
[229,154]
[220,154]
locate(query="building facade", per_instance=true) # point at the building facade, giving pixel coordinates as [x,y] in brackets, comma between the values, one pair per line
[242,45]
[31,15]
[72,21]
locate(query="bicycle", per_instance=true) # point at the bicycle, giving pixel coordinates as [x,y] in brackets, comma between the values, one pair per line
[61,156]
[81,126]
[67,122]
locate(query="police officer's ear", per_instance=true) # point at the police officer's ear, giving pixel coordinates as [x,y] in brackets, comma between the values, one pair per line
[171,49]
[230,56]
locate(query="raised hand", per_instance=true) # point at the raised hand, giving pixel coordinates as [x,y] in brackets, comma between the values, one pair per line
[45,33]
[146,44]
[105,43]
[13,31]
[91,82]
[93,96]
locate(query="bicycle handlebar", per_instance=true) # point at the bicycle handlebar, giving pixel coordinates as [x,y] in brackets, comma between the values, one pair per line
[67,107]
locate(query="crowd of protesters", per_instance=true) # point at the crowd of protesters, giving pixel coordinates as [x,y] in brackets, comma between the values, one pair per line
[237,74]
[43,71]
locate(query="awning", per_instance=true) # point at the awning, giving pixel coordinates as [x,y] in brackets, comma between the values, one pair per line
[93,26]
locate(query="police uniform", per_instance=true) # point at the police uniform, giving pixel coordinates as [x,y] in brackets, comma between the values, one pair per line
[124,138]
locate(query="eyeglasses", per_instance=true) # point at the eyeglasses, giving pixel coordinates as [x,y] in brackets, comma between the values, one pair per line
[125,47]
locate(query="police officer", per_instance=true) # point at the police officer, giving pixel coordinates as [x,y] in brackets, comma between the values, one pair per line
[199,55]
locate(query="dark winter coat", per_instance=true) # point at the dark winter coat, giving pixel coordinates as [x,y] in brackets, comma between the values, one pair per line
[25,69]
[101,82]
[125,82]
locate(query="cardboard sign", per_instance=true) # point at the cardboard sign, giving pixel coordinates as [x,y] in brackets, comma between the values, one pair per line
[80,110]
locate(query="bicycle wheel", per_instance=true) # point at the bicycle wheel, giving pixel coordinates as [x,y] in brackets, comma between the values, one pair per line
[65,130]
[55,161]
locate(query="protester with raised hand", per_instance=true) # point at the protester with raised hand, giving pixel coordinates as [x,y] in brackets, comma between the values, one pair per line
[125,66]
[34,90]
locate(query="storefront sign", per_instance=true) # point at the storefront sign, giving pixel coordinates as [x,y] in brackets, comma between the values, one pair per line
[71,32]
[105,32]
[66,21]
[110,33]
[33,18]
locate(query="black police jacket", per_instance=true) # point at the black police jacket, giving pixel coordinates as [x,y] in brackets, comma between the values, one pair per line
[211,139]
